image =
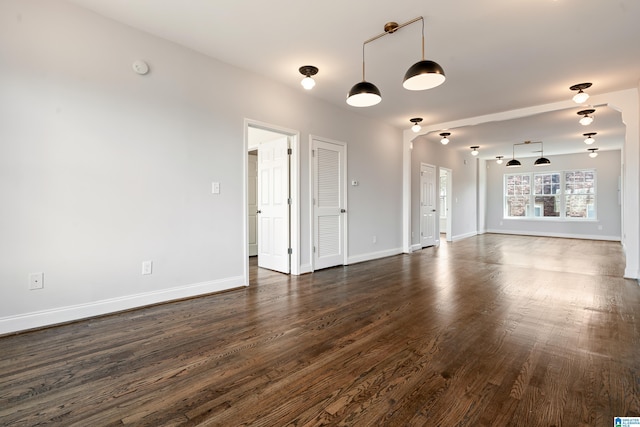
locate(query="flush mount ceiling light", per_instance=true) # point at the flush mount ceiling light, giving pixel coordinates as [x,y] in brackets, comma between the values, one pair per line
[499,159]
[445,139]
[416,127]
[586,118]
[580,97]
[474,150]
[420,76]
[589,140]
[593,152]
[308,70]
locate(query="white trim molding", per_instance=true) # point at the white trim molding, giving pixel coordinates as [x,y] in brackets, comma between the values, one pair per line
[39,319]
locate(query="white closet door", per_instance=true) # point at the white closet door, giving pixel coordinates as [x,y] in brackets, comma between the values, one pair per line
[428,205]
[329,164]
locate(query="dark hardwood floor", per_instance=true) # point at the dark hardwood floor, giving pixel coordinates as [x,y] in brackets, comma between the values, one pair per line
[493,330]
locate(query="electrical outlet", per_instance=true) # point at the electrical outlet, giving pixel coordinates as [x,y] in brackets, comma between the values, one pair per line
[36,281]
[147,267]
[215,187]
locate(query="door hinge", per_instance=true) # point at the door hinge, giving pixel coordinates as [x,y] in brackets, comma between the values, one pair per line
[289,151]
[289,251]
[314,249]
[313,153]
[289,201]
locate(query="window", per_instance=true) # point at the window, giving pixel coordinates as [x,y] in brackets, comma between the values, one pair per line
[546,190]
[562,195]
[518,191]
[580,194]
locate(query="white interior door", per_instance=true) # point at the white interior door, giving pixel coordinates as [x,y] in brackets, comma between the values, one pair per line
[273,205]
[252,195]
[428,213]
[329,207]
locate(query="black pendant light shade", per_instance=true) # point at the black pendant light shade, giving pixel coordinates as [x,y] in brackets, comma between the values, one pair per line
[364,94]
[542,161]
[513,163]
[423,75]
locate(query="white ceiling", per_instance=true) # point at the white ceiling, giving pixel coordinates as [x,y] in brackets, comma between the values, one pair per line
[498,55]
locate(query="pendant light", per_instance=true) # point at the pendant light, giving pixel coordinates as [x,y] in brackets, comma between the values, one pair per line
[420,76]
[542,161]
[308,70]
[580,97]
[589,140]
[364,94]
[423,74]
[474,150]
[593,152]
[513,163]
[586,119]
[445,139]
[499,159]
[416,127]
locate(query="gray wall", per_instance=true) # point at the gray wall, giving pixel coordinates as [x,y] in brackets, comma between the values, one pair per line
[102,168]
[608,169]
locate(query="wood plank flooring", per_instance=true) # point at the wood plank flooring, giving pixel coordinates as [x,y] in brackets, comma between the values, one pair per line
[493,330]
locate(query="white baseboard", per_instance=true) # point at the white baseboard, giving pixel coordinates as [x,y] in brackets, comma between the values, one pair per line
[38,319]
[374,255]
[416,247]
[563,235]
[464,236]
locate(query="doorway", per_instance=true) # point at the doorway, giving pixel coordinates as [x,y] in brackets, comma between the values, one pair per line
[428,204]
[445,203]
[271,187]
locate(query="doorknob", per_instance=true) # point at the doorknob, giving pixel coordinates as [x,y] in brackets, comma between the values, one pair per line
[343,210]
[433,210]
[259,211]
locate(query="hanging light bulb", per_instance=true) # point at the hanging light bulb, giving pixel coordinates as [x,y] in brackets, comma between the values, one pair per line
[593,152]
[308,70]
[586,118]
[445,139]
[416,127]
[589,140]
[580,97]
[499,159]
[474,150]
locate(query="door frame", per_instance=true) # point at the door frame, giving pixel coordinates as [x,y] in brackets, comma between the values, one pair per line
[345,237]
[449,172]
[294,183]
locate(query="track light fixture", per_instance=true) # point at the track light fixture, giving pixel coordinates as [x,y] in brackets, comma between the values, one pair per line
[308,70]
[474,150]
[580,97]
[589,137]
[445,139]
[593,152]
[499,159]
[416,127]
[586,118]
[420,76]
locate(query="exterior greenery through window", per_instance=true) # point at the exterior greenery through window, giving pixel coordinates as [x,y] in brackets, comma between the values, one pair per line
[563,195]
